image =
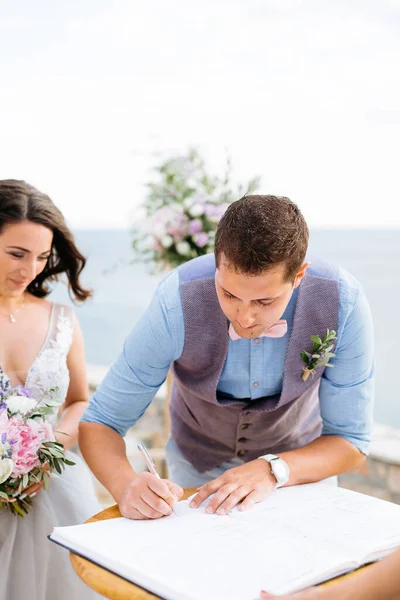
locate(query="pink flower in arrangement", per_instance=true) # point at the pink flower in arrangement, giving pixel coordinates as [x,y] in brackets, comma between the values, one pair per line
[198,199]
[201,239]
[210,209]
[157,246]
[26,442]
[195,226]
[177,226]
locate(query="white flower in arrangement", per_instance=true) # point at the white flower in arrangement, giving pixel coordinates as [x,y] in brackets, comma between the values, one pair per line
[145,244]
[197,210]
[166,241]
[188,202]
[183,206]
[6,467]
[183,248]
[158,229]
[21,404]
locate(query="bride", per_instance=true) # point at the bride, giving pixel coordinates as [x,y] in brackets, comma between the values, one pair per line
[41,347]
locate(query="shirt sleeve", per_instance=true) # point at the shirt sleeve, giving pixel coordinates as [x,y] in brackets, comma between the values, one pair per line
[347,389]
[142,367]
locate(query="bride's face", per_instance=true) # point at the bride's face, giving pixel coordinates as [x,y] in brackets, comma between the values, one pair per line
[24,250]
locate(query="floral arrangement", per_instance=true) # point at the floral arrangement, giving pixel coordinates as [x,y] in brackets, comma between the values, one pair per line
[182,210]
[320,354]
[29,452]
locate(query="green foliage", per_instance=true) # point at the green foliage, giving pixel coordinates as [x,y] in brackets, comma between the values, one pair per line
[321,351]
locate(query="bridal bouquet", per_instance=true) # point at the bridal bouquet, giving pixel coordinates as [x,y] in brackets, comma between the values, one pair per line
[182,210]
[29,452]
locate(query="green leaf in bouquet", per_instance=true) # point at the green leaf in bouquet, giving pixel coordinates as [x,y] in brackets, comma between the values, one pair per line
[16,509]
[69,462]
[36,477]
[25,480]
[46,481]
[4,496]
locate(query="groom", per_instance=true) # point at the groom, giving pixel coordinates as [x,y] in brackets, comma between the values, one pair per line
[247,414]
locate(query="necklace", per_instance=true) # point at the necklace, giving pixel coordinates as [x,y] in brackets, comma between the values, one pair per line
[11,316]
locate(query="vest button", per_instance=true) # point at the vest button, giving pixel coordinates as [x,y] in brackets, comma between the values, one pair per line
[242,440]
[256,340]
[244,426]
[255,384]
[241,453]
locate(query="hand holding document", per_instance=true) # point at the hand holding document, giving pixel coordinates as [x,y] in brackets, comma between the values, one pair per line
[148,496]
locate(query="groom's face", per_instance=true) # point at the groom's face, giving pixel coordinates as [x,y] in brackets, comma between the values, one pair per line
[24,250]
[253,303]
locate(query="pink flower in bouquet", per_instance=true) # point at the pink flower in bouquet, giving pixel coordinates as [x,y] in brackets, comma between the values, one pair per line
[46,432]
[201,239]
[26,442]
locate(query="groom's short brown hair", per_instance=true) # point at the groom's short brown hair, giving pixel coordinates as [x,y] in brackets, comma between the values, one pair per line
[258,232]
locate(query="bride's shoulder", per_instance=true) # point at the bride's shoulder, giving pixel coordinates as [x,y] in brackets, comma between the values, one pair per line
[56,310]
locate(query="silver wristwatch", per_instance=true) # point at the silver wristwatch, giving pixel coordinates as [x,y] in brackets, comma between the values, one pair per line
[279,468]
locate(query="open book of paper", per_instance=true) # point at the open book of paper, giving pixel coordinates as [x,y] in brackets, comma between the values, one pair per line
[297,537]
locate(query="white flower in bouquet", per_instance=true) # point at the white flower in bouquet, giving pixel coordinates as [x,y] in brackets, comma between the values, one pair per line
[183,248]
[6,467]
[20,404]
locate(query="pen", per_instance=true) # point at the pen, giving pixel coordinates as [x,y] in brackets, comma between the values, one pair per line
[150,465]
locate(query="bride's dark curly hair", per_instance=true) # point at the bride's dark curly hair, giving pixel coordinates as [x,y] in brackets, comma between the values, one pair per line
[20,201]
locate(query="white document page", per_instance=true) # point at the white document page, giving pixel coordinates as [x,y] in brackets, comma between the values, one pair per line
[298,536]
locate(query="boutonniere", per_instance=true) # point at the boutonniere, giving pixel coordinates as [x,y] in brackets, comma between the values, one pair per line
[320,355]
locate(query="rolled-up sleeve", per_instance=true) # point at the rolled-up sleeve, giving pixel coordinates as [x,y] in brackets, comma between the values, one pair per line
[347,389]
[141,368]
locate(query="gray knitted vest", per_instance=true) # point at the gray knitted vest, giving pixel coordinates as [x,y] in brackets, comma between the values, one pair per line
[210,430]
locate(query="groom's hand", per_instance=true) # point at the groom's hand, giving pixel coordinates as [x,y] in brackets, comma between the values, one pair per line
[148,497]
[248,484]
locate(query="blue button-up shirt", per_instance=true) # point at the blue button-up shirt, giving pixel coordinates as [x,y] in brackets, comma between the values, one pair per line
[253,368]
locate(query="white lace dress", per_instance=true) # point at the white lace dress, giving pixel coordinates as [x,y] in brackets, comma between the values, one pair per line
[32,567]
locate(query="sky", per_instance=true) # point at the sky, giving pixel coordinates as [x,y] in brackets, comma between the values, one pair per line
[306,94]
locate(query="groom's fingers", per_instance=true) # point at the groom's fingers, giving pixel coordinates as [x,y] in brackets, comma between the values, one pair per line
[176,491]
[152,507]
[155,502]
[146,497]
[130,512]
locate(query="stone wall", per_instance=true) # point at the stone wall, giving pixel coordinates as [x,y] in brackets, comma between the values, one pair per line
[380,475]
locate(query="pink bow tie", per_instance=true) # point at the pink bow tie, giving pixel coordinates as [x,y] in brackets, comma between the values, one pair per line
[275,331]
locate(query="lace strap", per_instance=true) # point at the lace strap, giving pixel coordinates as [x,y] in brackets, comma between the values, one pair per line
[62,327]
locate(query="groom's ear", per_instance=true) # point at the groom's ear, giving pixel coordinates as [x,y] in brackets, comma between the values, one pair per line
[300,274]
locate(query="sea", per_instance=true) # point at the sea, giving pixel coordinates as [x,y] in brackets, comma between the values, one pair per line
[123,289]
